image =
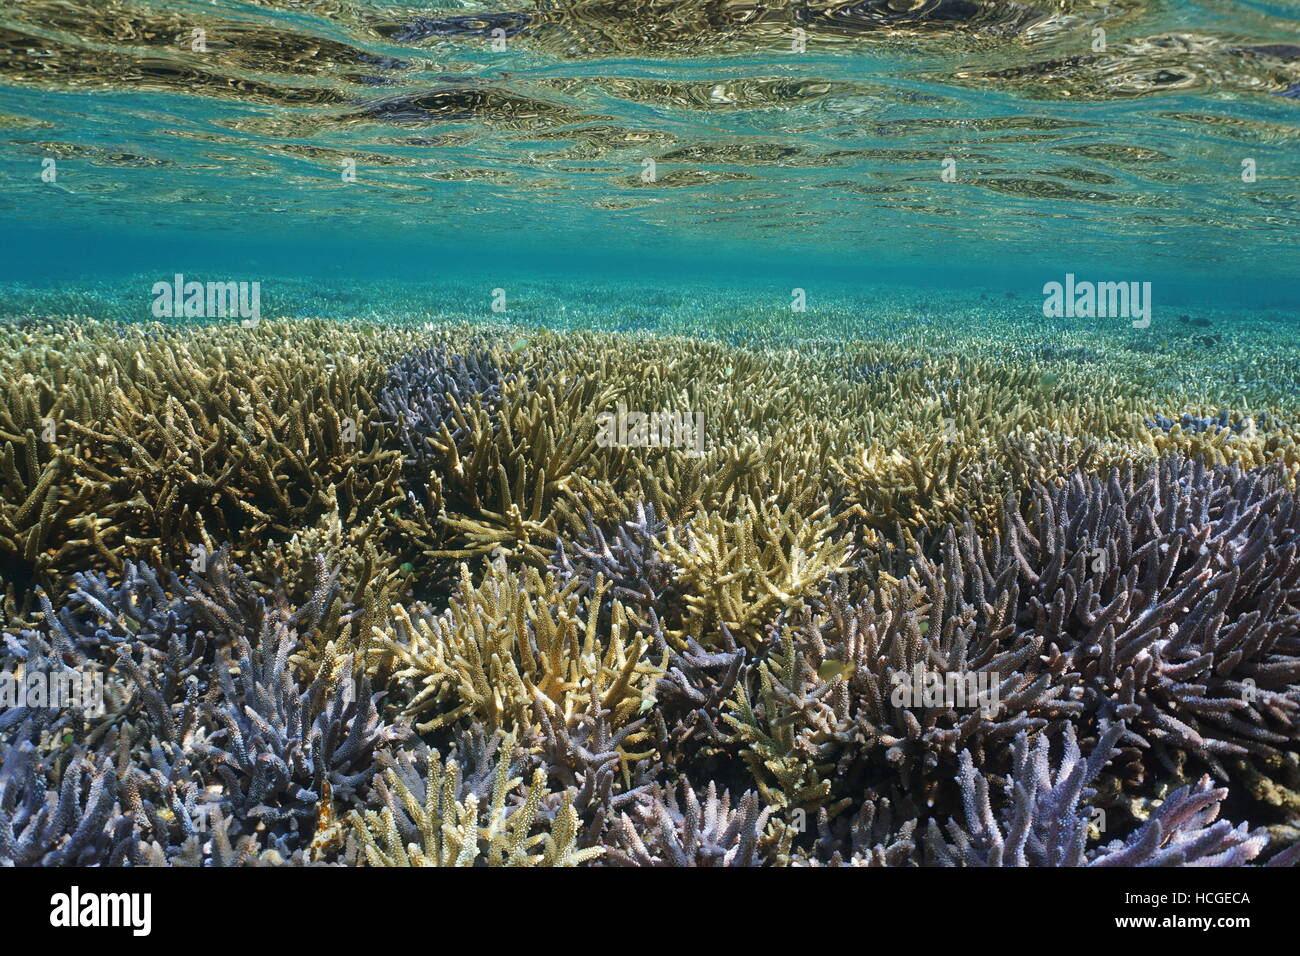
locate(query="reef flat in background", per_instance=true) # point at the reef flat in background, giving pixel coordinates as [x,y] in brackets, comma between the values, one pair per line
[376,592]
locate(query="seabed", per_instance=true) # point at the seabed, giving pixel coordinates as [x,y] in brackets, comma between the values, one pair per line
[411,592]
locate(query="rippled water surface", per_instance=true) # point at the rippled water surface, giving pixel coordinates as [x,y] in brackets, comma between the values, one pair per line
[1102,131]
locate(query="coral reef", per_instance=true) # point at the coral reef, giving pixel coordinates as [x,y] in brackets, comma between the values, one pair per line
[1044,823]
[711,834]
[434,816]
[379,595]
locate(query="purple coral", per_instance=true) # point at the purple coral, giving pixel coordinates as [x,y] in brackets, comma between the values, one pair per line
[1047,814]
[1173,591]
[667,832]
[429,391]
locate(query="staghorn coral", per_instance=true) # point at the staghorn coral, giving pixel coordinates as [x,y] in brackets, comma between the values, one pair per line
[510,475]
[342,580]
[740,574]
[1046,820]
[428,392]
[871,838]
[1196,424]
[210,454]
[275,747]
[434,816]
[219,850]
[691,833]
[49,515]
[690,696]
[52,815]
[826,714]
[1163,598]
[597,767]
[1174,591]
[146,444]
[692,657]
[83,636]
[631,561]
[206,706]
[512,636]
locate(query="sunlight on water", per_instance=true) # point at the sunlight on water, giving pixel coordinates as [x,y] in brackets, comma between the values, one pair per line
[894,130]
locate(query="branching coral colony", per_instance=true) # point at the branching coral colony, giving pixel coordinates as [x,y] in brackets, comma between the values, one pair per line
[378,596]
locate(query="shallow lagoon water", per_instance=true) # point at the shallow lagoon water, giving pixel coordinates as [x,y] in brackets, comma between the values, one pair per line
[892,133]
[510,435]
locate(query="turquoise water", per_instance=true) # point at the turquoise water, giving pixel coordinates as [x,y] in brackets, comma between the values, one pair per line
[352,140]
[651,384]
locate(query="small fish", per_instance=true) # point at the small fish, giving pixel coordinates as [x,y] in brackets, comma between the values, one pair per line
[519,344]
[406,569]
[1050,379]
[925,627]
[831,669]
